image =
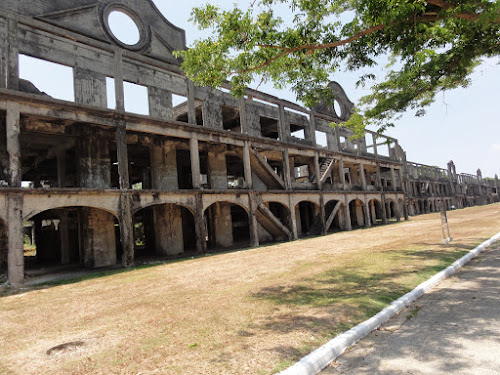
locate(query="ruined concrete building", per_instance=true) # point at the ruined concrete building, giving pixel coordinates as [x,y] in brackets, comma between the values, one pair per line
[90,183]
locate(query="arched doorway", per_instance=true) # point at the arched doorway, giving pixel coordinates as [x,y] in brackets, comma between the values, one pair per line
[274,222]
[164,230]
[376,212]
[357,213]
[227,226]
[308,219]
[67,236]
[334,216]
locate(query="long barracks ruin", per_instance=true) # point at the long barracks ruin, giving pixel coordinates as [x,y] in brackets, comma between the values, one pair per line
[93,184]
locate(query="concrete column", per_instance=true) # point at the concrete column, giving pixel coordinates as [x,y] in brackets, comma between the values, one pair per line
[247,166]
[94,160]
[4,246]
[164,166]
[384,210]
[195,161]
[191,96]
[317,170]
[373,212]
[212,112]
[360,216]
[199,225]
[118,72]
[64,238]
[283,125]
[367,215]
[15,257]
[310,132]
[90,87]
[393,180]
[252,221]
[217,167]
[341,173]
[126,224]
[12,55]
[374,139]
[362,176]
[292,219]
[287,170]
[160,103]
[347,215]
[223,225]
[168,230]
[13,144]
[98,238]
[322,213]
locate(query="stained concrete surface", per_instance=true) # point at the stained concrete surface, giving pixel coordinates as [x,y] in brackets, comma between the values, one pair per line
[455,329]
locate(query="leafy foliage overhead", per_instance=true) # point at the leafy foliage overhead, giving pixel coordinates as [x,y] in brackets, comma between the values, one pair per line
[433,46]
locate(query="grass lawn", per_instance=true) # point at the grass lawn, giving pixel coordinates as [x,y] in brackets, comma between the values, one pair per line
[248,312]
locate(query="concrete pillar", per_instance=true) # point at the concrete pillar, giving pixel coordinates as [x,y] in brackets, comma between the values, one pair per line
[367,214]
[223,224]
[217,167]
[160,103]
[283,125]
[322,213]
[342,173]
[212,112]
[164,166]
[98,238]
[252,221]
[191,95]
[195,161]
[247,166]
[292,219]
[360,217]
[61,168]
[118,72]
[15,234]
[347,215]
[287,169]
[90,87]
[362,176]
[168,229]
[199,225]
[12,64]
[384,210]
[94,159]
[373,212]
[317,170]
[3,245]
[393,180]
[64,238]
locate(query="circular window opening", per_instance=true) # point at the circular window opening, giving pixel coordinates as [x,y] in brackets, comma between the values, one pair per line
[124,28]
[337,108]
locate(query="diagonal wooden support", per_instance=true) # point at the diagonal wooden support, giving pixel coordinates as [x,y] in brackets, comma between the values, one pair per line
[332,215]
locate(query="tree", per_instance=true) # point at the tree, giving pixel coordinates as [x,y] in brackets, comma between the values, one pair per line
[433,46]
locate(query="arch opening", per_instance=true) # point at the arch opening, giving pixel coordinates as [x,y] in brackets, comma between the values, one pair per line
[376,212]
[274,222]
[227,226]
[357,213]
[308,219]
[336,223]
[163,230]
[71,237]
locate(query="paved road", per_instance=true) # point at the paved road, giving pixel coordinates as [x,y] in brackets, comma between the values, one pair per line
[456,330]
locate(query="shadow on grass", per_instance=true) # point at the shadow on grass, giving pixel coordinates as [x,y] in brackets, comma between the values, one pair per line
[349,295]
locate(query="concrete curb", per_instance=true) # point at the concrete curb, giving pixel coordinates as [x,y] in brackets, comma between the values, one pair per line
[317,360]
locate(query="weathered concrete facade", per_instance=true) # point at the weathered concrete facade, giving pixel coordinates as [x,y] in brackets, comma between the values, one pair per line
[102,186]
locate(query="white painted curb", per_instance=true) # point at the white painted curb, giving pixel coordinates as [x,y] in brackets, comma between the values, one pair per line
[316,361]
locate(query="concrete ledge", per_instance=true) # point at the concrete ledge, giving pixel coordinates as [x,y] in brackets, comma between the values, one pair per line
[316,361]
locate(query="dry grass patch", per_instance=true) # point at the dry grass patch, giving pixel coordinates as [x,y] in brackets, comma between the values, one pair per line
[248,312]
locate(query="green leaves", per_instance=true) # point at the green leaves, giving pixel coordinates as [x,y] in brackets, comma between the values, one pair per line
[435,45]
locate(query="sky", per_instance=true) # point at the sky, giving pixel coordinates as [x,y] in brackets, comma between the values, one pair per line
[461,125]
